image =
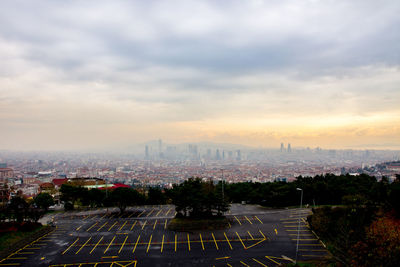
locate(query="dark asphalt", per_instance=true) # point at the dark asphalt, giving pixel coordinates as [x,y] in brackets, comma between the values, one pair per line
[257,237]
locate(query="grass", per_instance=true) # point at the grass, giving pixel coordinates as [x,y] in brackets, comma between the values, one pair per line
[10,238]
[190,224]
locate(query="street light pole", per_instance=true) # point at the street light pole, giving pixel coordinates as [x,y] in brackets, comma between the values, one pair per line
[298,227]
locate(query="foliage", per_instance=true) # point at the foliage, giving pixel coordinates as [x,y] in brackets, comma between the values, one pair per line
[156,196]
[195,198]
[123,197]
[44,200]
[381,246]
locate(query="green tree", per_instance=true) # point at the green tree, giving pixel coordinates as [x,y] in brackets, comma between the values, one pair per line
[123,197]
[44,200]
[156,196]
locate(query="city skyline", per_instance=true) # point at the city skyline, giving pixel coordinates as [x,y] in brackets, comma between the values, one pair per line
[102,75]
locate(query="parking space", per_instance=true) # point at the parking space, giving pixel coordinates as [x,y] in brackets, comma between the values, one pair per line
[140,237]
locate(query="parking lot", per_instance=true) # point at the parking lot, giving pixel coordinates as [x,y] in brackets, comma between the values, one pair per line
[139,237]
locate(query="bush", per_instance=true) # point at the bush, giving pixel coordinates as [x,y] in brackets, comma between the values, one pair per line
[68,206]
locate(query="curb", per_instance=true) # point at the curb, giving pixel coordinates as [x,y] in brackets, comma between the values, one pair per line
[22,243]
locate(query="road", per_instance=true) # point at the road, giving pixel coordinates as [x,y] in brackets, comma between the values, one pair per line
[139,237]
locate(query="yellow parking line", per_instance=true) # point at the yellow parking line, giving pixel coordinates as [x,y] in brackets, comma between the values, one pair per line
[150,213]
[148,246]
[229,243]
[259,220]
[112,226]
[133,225]
[17,258]
[248,220]
[274,261]
[188,240]
[112,216]
[165,224]
[141,213]
[162,243]
[137,241]
[237,220]
[123,225]
[96,244]
[83,245]
[109,245]
[155,223]
[103,216]
[77,229]
[102,226]
[144,224]
[260,262]
[262,234]
[9,264]
[229,265]
[250,235]
[175,242]
[240,240]
[91,227]
[123,244]
[158,212]
[70,246]
[216,245]
[244,264]
[168,211]
[201,240]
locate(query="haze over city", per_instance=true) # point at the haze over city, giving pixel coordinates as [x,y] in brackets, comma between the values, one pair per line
[109,74]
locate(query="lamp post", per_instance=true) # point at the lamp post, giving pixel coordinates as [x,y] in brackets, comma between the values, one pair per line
[298,227]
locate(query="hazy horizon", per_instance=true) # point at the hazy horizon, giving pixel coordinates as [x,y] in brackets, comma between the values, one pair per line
[97,75]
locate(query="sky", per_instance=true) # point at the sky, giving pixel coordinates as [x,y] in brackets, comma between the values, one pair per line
[103,74]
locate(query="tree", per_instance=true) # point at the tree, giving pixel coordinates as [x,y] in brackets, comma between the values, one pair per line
[18,206]
[96,197]
[44,200]
[156,196]
[123,197]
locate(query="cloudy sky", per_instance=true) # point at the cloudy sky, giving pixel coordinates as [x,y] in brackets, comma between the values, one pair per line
[98,74]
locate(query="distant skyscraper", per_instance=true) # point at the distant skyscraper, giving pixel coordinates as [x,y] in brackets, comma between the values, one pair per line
[217,155]
[289,148]
[147,152]
[239,155]
[160,146]
[282,147]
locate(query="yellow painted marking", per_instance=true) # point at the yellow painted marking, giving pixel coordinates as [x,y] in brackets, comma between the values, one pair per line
[148,246]
[276,231]
[91,227]
[17,258]
[162,243]
[102,226]
[123,225]
[201,240]
[188,240]
[155,223]
[258,219]
[109,245]
[137,241]
[112,216]
[25,253]
[123,244]
[248,220]
[262,240]
[274,261]
[133,225]
[250,235]
[112,226]
[229,243]
[244,264]
[259,262]
[237,220]
[83,245]
[70,246]
[262,234]
[150,213]
[223,258]
[216,245]
[165,224]
[103,216]
[98,242]
[230,226]
[175,242]
[229,265]
[168,211]
[240,240]
[141,213]
[144,224]
[77,229]
[158,212]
